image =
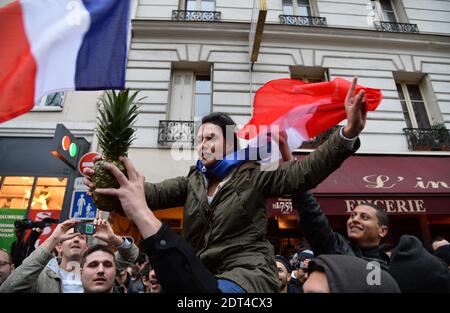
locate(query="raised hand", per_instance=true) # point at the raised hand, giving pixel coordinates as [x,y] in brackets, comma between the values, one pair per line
[132,197]
[355,107]
[104,231]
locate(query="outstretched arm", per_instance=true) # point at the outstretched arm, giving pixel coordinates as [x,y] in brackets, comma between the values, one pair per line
[167,194]
[175,262]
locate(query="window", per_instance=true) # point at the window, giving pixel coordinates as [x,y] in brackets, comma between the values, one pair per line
[191,94]
[15,192]
[385,10]
[309,74]
[47,197]
[49,193]
[297,7]
[413,106]
[190,100]
[52,100]
[202,103]
[199,5]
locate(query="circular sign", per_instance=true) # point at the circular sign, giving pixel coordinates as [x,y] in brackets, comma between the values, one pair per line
[65,143]
[73,149]
[87,160]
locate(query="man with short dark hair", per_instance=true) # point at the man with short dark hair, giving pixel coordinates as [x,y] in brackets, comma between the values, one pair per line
[98,269]
[150,280]
[41,273]
[366,227]
[284,273]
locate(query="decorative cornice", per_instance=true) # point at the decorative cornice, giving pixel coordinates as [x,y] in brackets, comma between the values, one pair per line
[238,31]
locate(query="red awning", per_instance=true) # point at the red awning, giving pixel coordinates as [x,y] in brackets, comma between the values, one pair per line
[400,184]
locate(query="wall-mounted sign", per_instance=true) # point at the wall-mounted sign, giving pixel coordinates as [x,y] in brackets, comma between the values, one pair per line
[256,28]
[82,206]
[65,146]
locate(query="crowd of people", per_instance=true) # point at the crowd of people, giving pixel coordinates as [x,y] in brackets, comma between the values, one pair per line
[224,246]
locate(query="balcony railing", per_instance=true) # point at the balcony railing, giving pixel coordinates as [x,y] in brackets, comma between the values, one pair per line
[201,16]
[396,27]
[428,139]
[319,139]
[303,20]
[176,132]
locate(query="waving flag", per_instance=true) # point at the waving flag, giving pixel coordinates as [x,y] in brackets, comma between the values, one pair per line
[302,110]
[52,45]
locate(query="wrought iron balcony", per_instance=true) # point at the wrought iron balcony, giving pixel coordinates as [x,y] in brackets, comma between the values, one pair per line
[179,132]
[319,139]
[428,139]
[396,27]
[303,20]
[201,16]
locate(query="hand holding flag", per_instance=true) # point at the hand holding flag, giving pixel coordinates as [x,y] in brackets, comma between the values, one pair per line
[355,108]
[305,110]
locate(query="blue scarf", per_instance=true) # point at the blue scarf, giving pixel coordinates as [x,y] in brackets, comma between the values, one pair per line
[224,167]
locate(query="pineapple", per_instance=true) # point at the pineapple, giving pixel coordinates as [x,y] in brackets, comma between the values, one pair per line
[115,136]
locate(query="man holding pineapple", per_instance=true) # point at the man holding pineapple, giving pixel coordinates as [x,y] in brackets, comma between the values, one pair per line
[225,247]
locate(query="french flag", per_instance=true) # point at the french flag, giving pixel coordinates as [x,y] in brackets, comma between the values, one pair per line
[55,45]
[302,110]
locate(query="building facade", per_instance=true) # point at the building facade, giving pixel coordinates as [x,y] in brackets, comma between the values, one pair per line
[191,57]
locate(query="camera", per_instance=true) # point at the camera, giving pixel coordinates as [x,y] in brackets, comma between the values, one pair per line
[84,228]
[29,224]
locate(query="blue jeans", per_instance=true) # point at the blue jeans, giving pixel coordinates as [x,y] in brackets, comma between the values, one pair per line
[228,286]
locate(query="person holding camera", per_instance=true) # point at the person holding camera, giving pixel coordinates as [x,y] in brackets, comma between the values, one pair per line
[41,273]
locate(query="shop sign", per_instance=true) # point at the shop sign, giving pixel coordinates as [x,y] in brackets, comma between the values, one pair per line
[7,231]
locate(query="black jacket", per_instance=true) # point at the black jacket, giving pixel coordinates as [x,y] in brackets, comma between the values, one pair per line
[176,265]
[322,238]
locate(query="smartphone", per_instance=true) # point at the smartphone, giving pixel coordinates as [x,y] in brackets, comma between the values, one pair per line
[84,228]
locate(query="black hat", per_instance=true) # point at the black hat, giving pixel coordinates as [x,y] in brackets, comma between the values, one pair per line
[415,269]
[347,273]
[285,262]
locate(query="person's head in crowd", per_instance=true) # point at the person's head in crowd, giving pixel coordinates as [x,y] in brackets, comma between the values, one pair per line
[415,269]
[150,280]
[72,249]
[386,248]
[98,269]
[141,260]
[284,272]
[6,265]
[367,225]
[348,274]
[213,139]
[123,279]
[300,264]
[133,271]
[440,247]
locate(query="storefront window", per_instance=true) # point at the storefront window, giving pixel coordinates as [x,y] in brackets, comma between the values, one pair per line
[14,197]
[15,192]
[49,193]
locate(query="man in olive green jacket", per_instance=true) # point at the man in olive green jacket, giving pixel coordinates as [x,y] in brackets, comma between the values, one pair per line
[41,273]
[225,217]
